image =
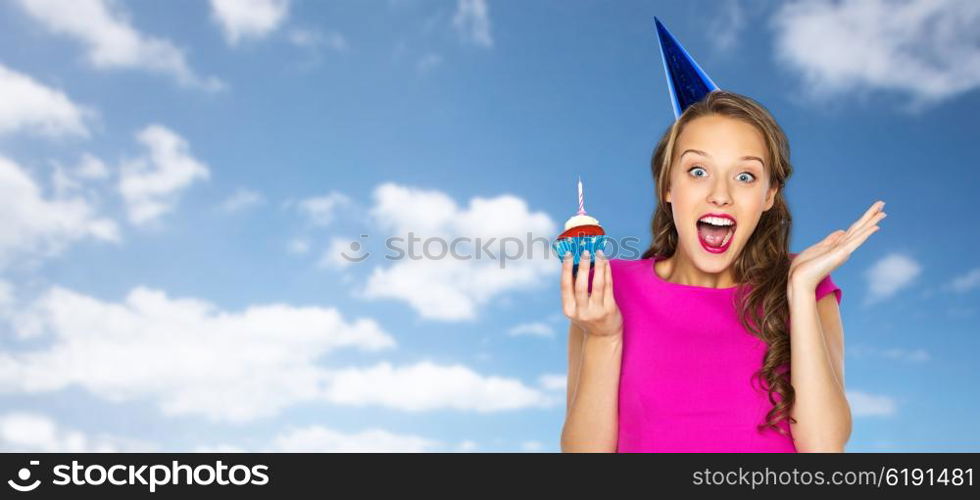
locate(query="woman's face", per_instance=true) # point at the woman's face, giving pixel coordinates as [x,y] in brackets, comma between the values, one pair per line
[718,168]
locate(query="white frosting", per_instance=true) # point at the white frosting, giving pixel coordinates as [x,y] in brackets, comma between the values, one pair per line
[580,220]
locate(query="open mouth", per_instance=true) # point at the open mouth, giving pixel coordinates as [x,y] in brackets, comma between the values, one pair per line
[716,233]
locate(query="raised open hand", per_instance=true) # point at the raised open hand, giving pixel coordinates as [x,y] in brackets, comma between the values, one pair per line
[813,264]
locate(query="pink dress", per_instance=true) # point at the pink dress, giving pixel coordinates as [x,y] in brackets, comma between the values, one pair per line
[686,378]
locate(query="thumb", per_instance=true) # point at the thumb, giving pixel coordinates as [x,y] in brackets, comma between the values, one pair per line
[834,236]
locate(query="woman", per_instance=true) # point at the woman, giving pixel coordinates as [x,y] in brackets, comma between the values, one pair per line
[691,349]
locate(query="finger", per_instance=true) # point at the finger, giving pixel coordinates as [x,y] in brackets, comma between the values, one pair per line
[863,220]
[875,208]
[875,219]
[567,293]
[582,281]
[858,238]
[841,234]
[833,237]
[599,280]
[609,298]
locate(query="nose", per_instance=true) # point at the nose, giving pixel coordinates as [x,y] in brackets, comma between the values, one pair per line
[719,195]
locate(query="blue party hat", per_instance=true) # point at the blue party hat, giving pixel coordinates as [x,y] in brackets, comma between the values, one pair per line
[687,82]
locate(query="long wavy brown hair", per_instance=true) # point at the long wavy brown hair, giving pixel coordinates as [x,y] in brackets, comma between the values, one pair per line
[761,268]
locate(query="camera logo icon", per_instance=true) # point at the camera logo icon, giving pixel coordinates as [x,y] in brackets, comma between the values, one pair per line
[24,474]
[355,247]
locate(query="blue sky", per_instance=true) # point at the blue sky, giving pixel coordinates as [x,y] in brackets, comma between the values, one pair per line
[180,178]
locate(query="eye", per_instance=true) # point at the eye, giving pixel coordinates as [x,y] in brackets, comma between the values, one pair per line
[748,174]
[698,168]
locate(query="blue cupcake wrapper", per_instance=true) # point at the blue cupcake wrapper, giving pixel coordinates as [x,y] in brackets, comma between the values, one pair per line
[578,244]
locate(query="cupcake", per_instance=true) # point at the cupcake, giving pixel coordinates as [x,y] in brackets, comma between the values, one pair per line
[582,232]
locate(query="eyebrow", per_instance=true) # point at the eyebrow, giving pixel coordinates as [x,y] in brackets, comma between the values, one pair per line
[702,153]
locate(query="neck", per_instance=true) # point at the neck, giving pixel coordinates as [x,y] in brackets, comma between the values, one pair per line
[680,269]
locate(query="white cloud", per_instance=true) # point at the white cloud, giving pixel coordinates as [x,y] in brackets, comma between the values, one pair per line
[472,22]
[184,354]
[30,432]
[241,19]
[864,404]
[532,446]
[894,353]
[926,49]
[6,297]
[913,355]
[91,167]
[321,210]
[37,227]
[967,282]
[553,381]
[534,329]
[889,275]
[467,446]
[190,358]
[298,246]
[27,432]
[314,42]
[63,183]
[219,448]
[333,256]
[27,105]
[727,24]
[450,288]
[151,184]
[405,209]
[426,386]
[240,200]
[111,42]
[312,39]
[318,439]
[67,181]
